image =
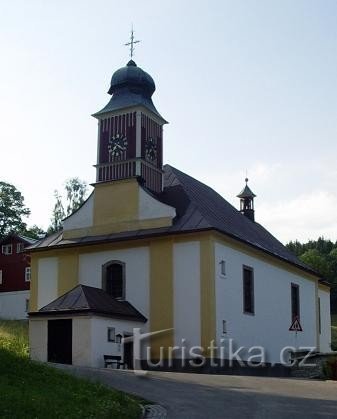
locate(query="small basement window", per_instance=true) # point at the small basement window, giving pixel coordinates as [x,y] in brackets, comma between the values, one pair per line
[7,249]
[224,327]
[111,334]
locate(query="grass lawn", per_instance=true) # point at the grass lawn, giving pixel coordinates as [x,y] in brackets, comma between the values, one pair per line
[334,332]
[32,390]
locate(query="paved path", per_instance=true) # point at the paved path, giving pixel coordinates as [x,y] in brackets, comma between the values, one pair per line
[198,396]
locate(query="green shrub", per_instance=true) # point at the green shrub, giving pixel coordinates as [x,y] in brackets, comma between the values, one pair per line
[330,369]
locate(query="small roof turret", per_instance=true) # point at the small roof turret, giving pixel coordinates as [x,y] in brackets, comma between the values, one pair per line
[246,191]
[247,202]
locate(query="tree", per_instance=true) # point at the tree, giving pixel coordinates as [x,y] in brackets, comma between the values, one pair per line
[35,232]
[12,210]
[321,255]
[313,258]
[76,191]
[58,214]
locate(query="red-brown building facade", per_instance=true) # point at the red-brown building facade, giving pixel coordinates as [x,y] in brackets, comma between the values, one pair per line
[14,277]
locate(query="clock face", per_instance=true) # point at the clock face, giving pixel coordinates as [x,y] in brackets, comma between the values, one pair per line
[117,145]
[150,149]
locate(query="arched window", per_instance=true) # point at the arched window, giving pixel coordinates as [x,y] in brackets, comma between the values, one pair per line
[114,279]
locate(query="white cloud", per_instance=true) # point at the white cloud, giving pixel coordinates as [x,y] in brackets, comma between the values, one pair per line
[306,217]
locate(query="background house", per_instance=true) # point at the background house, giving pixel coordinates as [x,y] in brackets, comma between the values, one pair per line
[14,276]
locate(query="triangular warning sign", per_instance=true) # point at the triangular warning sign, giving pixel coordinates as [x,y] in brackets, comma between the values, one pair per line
[296,326]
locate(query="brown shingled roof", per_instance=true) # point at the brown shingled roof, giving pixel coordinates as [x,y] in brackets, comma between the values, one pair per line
[89,300]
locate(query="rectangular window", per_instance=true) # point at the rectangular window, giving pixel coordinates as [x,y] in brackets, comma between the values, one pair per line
[223,268]
[111,334]
[27,305]
[27,273]
[295,302]
[7,249]
[0,277]
[224,327]
[248,290]
[19,247]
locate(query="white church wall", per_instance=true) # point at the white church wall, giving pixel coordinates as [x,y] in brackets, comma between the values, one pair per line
[82,341]
[269,326]
[150,207]
[325,335]
[38,339]
[89,338]
[47,281]
[186,285]
[137,273]
[13,305]
[99,338]
[84,217]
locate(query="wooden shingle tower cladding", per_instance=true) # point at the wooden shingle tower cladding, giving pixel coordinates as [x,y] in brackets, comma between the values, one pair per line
[130,131]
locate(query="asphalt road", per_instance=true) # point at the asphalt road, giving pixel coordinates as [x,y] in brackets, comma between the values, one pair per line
[198,396]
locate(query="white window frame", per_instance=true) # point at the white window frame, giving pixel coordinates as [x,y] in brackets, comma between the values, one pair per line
[28,273]
[5,249]
[20,247]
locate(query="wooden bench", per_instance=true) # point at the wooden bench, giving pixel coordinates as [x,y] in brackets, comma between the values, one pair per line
[113,360]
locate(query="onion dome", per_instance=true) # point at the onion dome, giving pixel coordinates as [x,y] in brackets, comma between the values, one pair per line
[130,86]
[134,78]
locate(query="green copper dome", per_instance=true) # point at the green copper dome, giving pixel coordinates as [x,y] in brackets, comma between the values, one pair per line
[130,86]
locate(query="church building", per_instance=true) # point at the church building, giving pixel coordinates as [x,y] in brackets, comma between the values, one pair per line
[154,249]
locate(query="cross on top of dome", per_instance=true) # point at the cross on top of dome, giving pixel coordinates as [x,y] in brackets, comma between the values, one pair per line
[132,43]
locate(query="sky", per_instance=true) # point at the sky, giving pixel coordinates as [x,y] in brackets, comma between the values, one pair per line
[247,86]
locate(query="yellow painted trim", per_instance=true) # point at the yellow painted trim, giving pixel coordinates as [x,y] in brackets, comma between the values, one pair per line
[116,202]
[67,272]
[207,292]
[161,294]
[323,287]
[118,227]
[33,283]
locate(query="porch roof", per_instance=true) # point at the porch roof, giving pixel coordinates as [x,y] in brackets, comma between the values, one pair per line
[89,300]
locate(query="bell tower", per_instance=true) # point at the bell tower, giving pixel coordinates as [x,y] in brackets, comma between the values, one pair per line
[247,202]
[130,131]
